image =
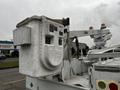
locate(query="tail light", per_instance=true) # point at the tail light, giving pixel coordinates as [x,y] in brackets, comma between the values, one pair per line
[101,84]
[113,86]
[107,85]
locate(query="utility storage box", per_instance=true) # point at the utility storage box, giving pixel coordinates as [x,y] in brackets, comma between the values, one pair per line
[44,55]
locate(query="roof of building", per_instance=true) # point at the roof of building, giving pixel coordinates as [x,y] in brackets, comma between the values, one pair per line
[39,18]
[6,42]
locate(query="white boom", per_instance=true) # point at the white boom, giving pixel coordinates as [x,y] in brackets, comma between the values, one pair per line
[87,33]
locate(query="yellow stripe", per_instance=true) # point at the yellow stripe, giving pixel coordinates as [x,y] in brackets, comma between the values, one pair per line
[11,82]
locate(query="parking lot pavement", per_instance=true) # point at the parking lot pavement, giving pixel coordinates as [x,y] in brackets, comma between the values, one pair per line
[11,79]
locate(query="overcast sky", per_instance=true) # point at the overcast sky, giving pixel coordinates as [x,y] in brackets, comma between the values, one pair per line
[82,13]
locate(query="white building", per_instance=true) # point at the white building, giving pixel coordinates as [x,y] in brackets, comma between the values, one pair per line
[7,48]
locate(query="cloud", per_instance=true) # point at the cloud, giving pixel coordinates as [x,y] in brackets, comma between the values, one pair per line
[83,13]
[11,12]
[109,13]
[104,12]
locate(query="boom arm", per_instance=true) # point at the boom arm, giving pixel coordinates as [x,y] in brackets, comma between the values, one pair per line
[87,33]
